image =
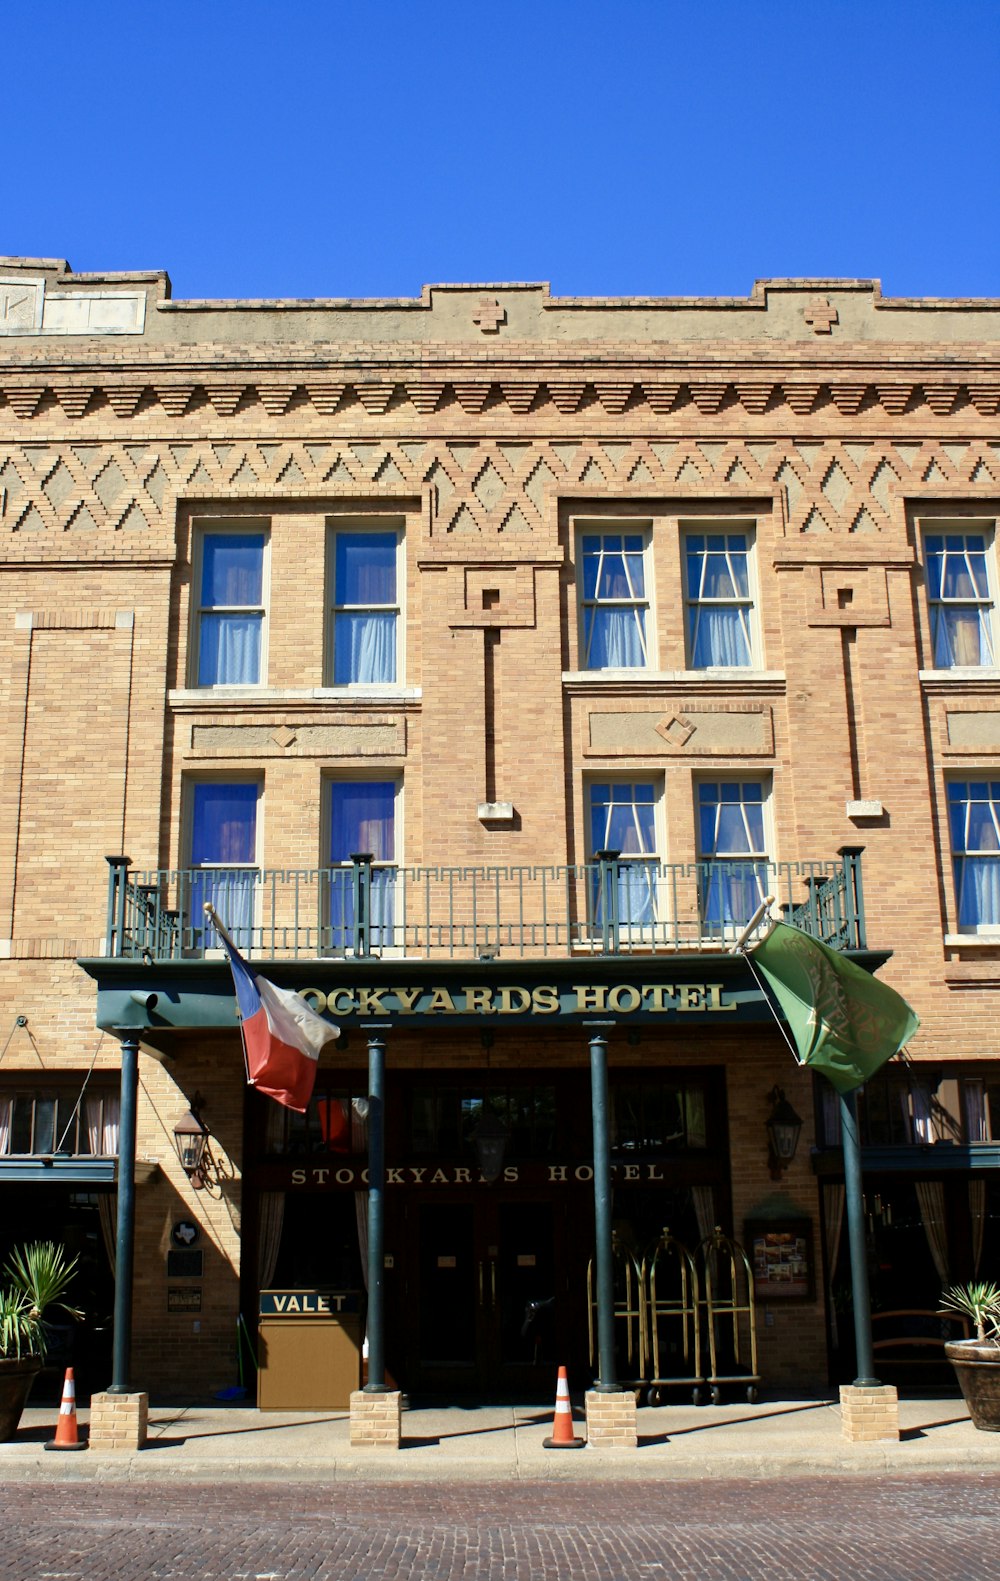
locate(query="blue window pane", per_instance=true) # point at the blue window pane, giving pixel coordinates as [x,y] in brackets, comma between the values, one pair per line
[232,569]
[365,568]
[224,825]
[614,639]
[362,820]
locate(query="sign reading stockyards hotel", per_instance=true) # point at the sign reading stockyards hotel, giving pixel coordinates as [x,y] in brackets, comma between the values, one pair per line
[545,999]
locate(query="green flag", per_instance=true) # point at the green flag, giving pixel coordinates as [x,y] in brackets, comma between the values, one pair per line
[845,1023]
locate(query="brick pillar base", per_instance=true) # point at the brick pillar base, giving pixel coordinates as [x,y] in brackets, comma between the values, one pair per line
[376,1420]
[611,1420]
[118,1421]
[868,1414]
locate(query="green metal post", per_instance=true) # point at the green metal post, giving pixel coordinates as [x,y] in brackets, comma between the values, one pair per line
[125,1238]
[607,893]
[854,1198]
[362,883]
[376,1216]
[607,1371]
[852,866]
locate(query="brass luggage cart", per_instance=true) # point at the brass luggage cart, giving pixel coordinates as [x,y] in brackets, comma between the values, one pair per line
[672,1306]
[727,1269]
[630,1314]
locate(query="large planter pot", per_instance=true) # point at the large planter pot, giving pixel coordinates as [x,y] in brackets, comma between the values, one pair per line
[17,1374]
[977,1367]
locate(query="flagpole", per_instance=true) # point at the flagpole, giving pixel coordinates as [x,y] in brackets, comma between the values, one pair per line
[218,925]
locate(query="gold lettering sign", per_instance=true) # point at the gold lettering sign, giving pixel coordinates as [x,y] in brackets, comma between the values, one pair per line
[544,999]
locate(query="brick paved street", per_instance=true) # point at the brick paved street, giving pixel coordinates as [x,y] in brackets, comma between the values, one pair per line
[876,1529]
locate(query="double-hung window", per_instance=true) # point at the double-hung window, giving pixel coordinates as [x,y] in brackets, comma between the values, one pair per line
[614,601]
[719,600]
[623,820]
[230,610]
[365,610]
[362,822]
[960,599]
[974,819]
[733,851]
[224,858]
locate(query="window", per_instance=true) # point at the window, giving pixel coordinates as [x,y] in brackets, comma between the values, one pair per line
[614,604]
[224,848]
[362,823]
[657,1114]
[719,602]
[365,606]
[974,820]
[623,819]
[59,1120]
[733,851]
[230,608]
[960,598]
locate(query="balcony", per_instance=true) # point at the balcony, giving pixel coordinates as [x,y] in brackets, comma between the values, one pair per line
[612,906]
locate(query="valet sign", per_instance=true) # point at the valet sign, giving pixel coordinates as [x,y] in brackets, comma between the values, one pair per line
[543,999]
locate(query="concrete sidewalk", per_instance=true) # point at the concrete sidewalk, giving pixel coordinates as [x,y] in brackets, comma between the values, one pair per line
[218,1442]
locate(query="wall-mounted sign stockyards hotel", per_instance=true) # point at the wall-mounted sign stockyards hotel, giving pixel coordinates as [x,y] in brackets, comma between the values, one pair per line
[543,999]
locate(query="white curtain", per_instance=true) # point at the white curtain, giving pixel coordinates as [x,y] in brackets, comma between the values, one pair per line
[833,1213]
[107,1213]
[6,1109]
[923,1115]
[930,1196]
[232,895]
[616,639]
[365,647]
[100,1117]
[272,1218]
[978,882]
[961,637]
[720,637]
[230,650]
[977,1213]
[974,1111]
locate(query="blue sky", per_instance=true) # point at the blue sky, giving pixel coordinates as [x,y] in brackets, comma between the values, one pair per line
[645,147]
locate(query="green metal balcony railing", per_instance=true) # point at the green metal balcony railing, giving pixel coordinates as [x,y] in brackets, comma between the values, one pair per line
[611,906]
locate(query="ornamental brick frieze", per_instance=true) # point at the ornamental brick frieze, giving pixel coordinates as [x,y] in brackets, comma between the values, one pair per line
[490,490]
[719,395]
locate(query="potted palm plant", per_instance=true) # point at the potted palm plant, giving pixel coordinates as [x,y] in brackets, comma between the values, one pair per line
[977,1361]
[36,1279]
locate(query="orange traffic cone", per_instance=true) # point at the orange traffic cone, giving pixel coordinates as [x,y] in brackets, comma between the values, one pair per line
[66,1433]
[562,1423]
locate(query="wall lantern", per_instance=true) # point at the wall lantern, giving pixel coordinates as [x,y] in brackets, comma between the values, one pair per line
[783,1128]
[191,1141]
[490,1137]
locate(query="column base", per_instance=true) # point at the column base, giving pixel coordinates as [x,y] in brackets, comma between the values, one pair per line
[376,1420]
[118,1422]
[611,1420]
[869,1413]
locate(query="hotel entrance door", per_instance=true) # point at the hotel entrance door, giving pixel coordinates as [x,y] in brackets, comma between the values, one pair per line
[489,1297]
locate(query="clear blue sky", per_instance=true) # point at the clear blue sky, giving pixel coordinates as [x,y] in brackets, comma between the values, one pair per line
[362,149]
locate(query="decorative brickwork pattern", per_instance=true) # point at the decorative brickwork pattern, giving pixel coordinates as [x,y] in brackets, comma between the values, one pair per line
[869,1415]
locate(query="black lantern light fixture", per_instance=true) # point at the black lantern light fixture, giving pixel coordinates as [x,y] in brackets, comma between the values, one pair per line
[191,1141]
[490,1137]
[783,1128]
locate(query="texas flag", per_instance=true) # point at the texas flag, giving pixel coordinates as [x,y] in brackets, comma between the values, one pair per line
[282,1036]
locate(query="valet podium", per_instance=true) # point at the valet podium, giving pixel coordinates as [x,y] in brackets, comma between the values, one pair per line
[308,1349]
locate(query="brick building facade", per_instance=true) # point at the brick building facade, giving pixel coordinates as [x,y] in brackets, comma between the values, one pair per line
[485,584]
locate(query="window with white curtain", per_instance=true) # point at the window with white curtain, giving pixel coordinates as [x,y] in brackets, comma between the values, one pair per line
[614,600]
[719,599]
[362,822]
[223,851]
[623,818]
[230,606]
[733,850]
[960,577]
[974,823]
[364,579]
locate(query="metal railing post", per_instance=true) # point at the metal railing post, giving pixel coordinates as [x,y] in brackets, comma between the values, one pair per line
[114,943]
[361,882]
[851,855]
[607,899]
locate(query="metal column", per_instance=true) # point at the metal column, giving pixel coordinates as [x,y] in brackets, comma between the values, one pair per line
[856,1234]
[376,1212]
[607,1379]
[125,1237]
